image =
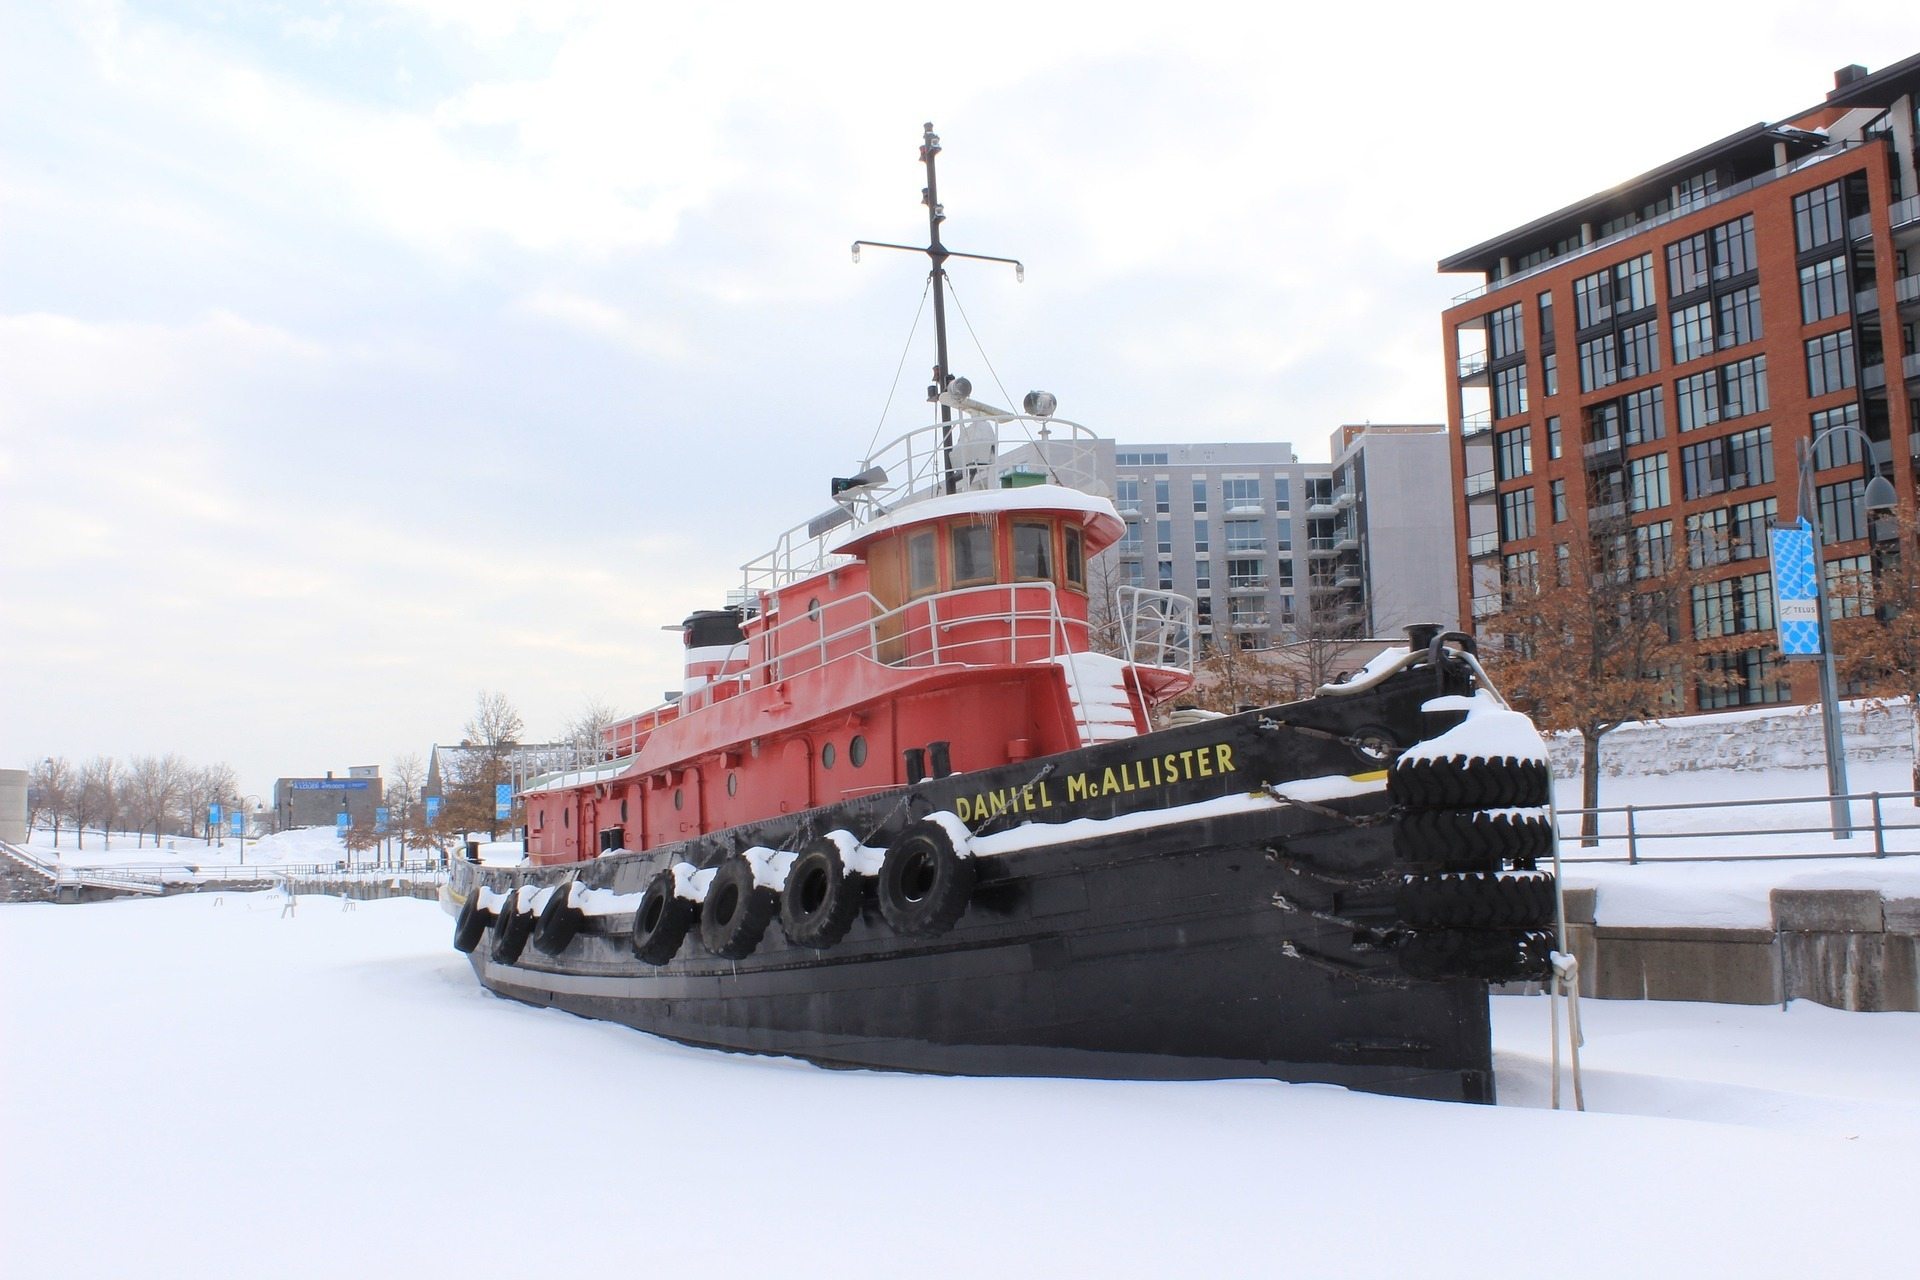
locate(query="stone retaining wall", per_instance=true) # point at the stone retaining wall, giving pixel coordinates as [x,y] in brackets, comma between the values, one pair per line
[1845,948]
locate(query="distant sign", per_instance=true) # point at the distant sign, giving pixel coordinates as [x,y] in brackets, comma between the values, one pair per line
[1796,591]
[433,810]
[213,815]
[503,800]
[331,784]
[380,821]
[238,821]
[342,822]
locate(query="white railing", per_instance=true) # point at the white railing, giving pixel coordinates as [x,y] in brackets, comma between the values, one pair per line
[979,451]
[1157,628]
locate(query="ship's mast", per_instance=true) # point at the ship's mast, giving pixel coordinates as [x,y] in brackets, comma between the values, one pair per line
[937,254]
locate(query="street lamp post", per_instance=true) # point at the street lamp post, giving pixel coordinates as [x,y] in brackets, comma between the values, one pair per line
[1878,496]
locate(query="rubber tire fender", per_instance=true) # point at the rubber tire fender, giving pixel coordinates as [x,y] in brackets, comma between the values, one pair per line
[511,929]
[471,924]
[1457,782]
[822,898]
[560,920]
[1469,840]
[661,921]
[924,881]
[1522,901]
[737,910]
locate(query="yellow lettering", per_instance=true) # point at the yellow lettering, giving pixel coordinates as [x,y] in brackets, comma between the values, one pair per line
[1223,758]
[1186,763]
[997,804]
[1077,788]
[962,810]
[1172,762]
[1206,763]
[1109,784]
[1046,801]
[1026,798]
[1140,773]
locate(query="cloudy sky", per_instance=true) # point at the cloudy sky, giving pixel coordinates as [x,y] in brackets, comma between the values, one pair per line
[356,357]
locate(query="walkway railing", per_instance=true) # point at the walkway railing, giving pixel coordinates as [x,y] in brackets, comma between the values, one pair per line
[1636,833]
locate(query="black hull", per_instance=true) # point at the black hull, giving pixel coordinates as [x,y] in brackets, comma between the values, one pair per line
[1246,937]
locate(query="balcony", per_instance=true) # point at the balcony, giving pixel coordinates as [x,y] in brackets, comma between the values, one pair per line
[1320,546]
[1866,302]
[1903,217]
[1323,507]
[1906,290]
[1486,606]
[1488,544]
[1345,499]
[1473,370]
[1910,367]
[1607,511]
[1347,578]
[1479,482]
[1873,377]
[1860,226]
[1475,424]
[1247,582]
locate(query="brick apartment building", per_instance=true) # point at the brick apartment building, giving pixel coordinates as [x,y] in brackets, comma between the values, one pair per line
[1652,356]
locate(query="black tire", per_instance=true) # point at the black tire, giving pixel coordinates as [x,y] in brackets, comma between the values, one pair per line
[471,924]
[736,911]
[511,929]
[1477,901]
[1485,955]
[924,881]
[822,898]
[661,922]
[559,922]
[1469,841]
[1455,782]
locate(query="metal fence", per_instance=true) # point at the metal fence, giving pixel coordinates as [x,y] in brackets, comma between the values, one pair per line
[1884,824]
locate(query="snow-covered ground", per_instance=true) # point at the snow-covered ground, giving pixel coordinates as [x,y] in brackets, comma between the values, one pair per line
[203,1086]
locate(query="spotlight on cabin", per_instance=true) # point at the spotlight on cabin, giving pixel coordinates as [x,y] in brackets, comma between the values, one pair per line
[1040,404]
[855,484]
[959,389]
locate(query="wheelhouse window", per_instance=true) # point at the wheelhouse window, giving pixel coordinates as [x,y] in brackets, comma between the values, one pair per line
[923,573]
[1076,560]
[1032,550]
[972,547]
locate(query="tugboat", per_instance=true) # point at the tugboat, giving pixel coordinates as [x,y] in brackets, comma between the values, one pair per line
[920,805]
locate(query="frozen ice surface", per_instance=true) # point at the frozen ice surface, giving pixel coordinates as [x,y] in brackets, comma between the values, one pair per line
[199,1086]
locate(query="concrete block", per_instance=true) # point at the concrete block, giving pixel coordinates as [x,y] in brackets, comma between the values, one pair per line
[1902,915]
[1848,970]
[1580,905]
[1729,966]
[1828,911]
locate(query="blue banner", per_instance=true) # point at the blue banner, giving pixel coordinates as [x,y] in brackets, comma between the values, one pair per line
[331,784]
[380,821]
[1796,600]
[342,822]
[433,810]
[213,815]
[503,800]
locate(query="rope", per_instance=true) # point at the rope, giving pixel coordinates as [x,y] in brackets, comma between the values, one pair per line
[892,390]
[1006,397]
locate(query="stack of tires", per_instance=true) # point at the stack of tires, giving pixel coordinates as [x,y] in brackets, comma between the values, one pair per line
[1470,833]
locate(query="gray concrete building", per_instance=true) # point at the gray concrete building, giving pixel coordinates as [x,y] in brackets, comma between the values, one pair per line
[1273,549]
[318,802]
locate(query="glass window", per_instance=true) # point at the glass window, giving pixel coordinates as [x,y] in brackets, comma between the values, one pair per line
[923,574]
[1843,517]
[1550,373]
[1202,535]
[1516,515]
[1739,316]
[1162,499]
[1032,550]
[1506,332]
[1687,265]
[1817,217]
[1243,574]
[1163,535]
[1076,563]
[972,547]
[1514,453]
[1166,575]
[1510,391]
[1733,606]
[1754,676]
[1244,535]
[1203,575]
[1732,462]
[1693,332]
[1280,493]
[1830,363]
[1652,549]
[1240,493]
[1200,494]
[1126,494]
[1647,483]
[1554,443]
[1558,490]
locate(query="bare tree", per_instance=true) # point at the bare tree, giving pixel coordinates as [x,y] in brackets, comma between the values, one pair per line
[155,786]
[104,783]
[584,731]
[1875,618]
[201,789]
[50,785]
[85,798]
[495,728]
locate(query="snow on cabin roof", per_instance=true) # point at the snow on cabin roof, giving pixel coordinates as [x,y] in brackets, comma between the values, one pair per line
[577,777]
[1038,497]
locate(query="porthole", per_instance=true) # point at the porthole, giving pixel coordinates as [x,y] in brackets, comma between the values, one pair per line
[813,607]
[679,797]
[827,756]
[857,750]
[733,784]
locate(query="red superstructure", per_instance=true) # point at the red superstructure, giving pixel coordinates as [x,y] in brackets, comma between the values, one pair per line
[935,622]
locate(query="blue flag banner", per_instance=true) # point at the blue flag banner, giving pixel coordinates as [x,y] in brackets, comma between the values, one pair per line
[342,822]
[1796,601]
[503,800]
[380,821]
[238,821]
[213,815]
[433,809]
